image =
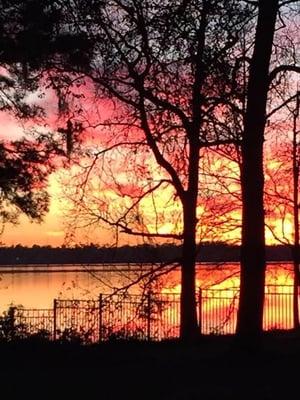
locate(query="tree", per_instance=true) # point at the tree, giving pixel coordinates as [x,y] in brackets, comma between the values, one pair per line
[23,181]
[27,161]
[168,73]
[253,242]
[260,84]
[250,313]
[282,191]
[296,207]
[23,163]
[172,77]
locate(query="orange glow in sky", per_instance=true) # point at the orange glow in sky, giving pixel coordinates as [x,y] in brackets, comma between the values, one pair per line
[52,231]
[49,232]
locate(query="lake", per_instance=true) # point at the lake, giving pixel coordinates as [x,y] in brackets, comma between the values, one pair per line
[35,286]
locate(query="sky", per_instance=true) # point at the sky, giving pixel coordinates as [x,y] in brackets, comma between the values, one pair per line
[54,230]
[49,232]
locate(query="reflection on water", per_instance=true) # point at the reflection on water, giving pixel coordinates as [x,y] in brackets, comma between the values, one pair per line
[37,286]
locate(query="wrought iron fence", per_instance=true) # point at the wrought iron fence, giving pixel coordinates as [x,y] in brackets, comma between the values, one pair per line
[31,321]
[76,319]
[144,317]
[278,307]
[218,310]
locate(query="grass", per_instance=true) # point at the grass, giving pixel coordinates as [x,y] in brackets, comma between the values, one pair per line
[212,369]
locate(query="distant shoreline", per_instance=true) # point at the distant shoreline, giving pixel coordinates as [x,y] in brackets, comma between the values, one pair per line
[91,255]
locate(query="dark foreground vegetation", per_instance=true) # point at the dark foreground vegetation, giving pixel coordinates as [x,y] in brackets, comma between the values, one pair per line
[214,252]
[213,368]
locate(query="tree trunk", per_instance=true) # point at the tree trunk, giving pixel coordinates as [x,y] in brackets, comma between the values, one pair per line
[253,261]
[189,325]
[295,250]
[296,324]
[189,331]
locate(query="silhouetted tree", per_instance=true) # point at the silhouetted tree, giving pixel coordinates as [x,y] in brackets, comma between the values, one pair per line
[172,75]
[24,163]
[28,36]
[168,71]
[250,313]
[296,207]
[23,181]
[282,190]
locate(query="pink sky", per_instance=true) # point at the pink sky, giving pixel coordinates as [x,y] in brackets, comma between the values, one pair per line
[52,230]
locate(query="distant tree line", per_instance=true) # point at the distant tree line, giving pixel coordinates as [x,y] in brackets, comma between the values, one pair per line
[91,254]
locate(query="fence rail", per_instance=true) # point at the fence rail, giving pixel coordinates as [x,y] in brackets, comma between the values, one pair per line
[144,317]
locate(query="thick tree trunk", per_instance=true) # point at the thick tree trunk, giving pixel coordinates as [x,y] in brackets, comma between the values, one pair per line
[189,331]
[250,313]
[296,324]
[189,325]
[295,250]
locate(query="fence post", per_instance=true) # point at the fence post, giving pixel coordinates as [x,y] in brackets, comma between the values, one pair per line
[200,310]
[100,316]
[54,318]
[11,314]
[149,316]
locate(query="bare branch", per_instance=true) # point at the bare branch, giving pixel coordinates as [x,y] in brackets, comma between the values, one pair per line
[283,68]
[284,104]
[286,2]
[158,156]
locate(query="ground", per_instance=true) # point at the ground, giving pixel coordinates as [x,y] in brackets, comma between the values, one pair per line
[212,369]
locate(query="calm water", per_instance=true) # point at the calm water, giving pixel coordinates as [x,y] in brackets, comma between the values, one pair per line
[37,286]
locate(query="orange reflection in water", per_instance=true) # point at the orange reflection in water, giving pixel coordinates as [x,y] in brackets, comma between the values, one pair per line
[219,294]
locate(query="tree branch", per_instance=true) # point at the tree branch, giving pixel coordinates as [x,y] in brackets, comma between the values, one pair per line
[283,68]
[157,154]
[284,3]
[285,103]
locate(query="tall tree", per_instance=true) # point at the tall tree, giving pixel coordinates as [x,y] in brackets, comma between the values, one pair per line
[168,71]
[282,190]
[296,207]
[250,314]
[250,311]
